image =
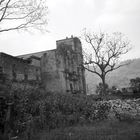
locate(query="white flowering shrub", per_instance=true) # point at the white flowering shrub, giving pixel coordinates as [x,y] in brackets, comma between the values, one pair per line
[126,110]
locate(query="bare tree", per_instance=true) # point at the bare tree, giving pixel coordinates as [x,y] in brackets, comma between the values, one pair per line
[22,14]
[103,53]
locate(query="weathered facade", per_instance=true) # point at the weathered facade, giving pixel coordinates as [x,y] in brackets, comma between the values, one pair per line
[59,70]
[62,68]
[18,69]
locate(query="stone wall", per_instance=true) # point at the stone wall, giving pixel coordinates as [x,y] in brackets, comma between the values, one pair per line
[62,68]
[50,73]
[18,69]
[59,70]
[70,50]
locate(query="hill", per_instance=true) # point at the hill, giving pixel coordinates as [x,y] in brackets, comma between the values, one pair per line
[119,78]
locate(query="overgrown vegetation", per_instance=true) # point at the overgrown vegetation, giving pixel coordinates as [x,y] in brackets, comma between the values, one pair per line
[57,110]
[135,86]
[32,110]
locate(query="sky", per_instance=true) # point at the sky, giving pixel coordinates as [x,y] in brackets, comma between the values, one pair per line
[70,17]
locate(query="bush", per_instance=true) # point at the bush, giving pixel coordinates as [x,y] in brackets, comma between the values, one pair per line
[67,110]
[34,109]
[100,88]
[126,110]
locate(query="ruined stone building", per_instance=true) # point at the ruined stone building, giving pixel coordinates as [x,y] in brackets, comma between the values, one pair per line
[59,70]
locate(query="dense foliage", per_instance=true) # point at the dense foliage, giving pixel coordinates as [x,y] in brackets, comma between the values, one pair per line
[100,88]
[34,109]
[126,110]
[135,85]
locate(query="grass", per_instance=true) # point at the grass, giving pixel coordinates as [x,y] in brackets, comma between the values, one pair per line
[106,130]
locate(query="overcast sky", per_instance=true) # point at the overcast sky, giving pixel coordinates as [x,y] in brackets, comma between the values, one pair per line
[69,17]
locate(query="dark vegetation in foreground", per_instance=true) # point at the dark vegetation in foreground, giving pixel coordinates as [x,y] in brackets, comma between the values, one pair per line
[62,116]
[29,113]
[33,110]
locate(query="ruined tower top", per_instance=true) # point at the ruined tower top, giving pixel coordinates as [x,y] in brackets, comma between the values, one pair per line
[74,42]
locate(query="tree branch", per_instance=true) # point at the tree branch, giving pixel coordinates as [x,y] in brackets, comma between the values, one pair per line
[5,10]
[92,71]
[114,68]
[104,52]
[24,13]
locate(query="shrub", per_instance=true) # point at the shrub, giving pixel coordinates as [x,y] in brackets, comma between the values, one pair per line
[34,109]
[66,110]
[127,110]
[100,88]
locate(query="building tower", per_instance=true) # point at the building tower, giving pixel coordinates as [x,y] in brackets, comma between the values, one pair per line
[62,69]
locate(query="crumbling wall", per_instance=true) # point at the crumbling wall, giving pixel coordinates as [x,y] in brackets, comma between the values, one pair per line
[33,60]
[50,73]
[61,68]
[70,50]
[18,69]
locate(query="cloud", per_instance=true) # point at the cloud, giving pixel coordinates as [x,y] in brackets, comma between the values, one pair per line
[23,43]
[68,17]
[117,12]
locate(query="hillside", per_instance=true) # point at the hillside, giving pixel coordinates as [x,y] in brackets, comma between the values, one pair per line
[119,77]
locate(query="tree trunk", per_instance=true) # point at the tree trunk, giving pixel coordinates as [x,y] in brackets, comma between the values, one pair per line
[104,85]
